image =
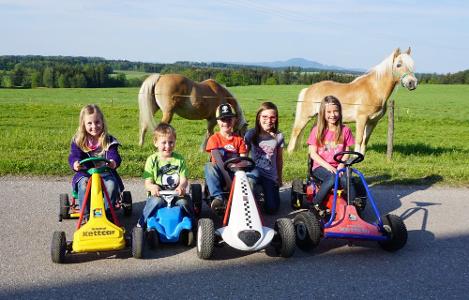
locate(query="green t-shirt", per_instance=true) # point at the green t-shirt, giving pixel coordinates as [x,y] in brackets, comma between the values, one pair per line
[165,172]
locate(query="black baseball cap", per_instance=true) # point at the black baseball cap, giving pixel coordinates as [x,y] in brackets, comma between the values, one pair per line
[225,110]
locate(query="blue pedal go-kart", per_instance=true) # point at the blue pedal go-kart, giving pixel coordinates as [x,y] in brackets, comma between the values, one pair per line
[343,221]
[168,225]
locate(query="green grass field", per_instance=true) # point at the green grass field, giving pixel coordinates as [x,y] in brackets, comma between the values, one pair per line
[431,132]
[131,74]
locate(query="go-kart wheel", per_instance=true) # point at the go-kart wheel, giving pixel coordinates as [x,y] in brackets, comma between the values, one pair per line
[196,197]
[297,194]
[153,239]
[187,238]
[127,203]
[58,247]
[307,230]
[205,238]
[397,232]
[284,241]
[64,209]
[137,242]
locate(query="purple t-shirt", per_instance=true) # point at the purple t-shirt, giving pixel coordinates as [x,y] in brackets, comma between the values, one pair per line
[330,148]
[265,153]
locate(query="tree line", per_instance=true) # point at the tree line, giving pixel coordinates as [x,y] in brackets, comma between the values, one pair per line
[33,71]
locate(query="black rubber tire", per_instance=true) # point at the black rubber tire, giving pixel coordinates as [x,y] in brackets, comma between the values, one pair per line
[58,247]
[187,238]
[153,239]
[296,200]
[196,197]
[64,209]
[138,242]
[285,237]
[127,203]
[205,238]
[397,233]
[307,230]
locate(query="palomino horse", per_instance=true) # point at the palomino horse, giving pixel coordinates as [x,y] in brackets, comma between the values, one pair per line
[363,100]
[173,93]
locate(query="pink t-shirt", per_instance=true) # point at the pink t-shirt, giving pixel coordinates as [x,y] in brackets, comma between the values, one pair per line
[330,148]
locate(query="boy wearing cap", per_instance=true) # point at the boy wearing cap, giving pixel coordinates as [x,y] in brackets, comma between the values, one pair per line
[222,145]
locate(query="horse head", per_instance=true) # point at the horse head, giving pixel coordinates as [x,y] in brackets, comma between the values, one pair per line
[403,69]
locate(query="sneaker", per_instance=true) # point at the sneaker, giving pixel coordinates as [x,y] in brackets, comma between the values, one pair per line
[359,203]
[216,204]
[319,211]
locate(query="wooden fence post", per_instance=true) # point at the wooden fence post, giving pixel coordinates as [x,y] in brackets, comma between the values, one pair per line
[390,129]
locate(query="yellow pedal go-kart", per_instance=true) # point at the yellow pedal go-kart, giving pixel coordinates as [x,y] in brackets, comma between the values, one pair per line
[98,234]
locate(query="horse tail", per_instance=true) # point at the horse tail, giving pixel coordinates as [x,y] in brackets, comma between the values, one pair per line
[301,118]
[147,105]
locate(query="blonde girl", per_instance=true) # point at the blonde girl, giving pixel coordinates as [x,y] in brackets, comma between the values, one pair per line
[328,137]
[92,140]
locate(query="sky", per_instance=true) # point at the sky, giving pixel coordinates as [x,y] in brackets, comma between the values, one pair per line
[349,34]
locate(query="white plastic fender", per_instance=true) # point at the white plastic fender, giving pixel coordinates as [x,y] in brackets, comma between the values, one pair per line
[244,215]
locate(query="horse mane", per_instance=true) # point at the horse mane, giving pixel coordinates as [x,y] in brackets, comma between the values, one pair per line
[385,67]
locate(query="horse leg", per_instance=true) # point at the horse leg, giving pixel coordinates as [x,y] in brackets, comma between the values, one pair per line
[360,134]
[167,117]
[302,116]
[210,125]
[368,130]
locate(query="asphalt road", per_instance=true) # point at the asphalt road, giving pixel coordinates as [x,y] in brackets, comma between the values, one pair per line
[433,264]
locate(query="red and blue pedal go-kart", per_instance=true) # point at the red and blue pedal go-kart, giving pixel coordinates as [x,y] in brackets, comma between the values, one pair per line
[98,233]
[168,224]
[243,227]
[342,221]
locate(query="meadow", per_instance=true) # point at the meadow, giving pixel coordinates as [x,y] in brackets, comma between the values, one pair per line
[430,145]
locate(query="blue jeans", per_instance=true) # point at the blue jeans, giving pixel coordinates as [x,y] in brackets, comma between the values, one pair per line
[110,184]
[270,189]
[154,203]
[327,184]
[214,179]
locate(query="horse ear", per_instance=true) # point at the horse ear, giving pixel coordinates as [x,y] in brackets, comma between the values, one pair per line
[397,52]
[408,51]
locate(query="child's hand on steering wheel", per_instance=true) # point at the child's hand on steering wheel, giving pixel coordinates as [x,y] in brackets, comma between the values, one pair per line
[340,166]
[180,191]
[112,164]
[154,190]
[77,166]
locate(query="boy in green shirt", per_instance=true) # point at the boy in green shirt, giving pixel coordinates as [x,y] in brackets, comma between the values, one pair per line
[164,170]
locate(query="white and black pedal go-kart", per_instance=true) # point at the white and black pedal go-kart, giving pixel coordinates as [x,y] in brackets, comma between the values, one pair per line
[242,226]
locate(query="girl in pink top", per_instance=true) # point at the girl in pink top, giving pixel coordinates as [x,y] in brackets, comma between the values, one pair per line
[327,138]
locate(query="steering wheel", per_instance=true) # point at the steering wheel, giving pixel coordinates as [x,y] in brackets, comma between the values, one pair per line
[95,159]
[356,157]
[239,164]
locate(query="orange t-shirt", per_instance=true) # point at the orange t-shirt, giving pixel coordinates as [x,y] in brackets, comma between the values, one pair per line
[228,148]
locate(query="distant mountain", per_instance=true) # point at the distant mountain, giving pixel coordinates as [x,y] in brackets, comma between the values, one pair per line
[302,63]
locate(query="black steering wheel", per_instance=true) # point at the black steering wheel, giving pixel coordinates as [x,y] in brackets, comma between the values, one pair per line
[239,164]
[355,157]
[95,159]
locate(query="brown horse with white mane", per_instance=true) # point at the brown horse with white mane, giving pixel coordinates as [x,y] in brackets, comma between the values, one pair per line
[173,93]
[363,100]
